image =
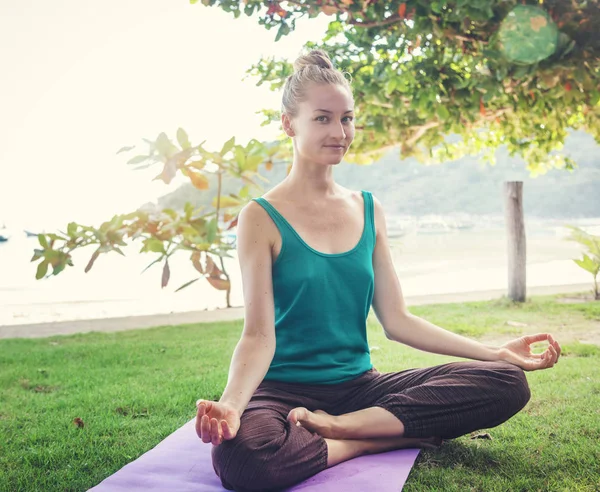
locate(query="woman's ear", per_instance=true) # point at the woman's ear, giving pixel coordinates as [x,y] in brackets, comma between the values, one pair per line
[286,122]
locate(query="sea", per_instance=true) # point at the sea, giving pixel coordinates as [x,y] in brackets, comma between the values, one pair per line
[431,255]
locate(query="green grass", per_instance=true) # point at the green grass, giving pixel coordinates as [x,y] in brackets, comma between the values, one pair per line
[132,389]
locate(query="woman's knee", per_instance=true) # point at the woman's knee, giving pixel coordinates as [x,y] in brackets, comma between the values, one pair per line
[268,454]
[243,463]
[514,387]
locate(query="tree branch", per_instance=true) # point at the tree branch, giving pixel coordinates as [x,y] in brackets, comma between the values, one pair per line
[386,22]
[420,131]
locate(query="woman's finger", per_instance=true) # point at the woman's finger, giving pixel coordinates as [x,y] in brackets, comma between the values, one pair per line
[205,428]
[549,357]
[552,342]
[201,409]
[227,433]
[214,432]
[554,355]
[558,349]
[538,337]
[533,364]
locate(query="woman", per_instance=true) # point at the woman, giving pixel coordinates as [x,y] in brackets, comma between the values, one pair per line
[302,394]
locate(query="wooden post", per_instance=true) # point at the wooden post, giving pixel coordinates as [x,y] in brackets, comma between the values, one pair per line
[515,235]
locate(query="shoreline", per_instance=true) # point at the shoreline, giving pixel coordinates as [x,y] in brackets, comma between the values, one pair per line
[109,325]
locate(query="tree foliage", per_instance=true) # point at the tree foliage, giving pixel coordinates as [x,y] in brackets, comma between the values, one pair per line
[494,72]
[591,260]
[202,231]
[424,69]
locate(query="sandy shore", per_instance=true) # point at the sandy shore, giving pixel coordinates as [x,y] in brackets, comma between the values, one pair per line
[41,330]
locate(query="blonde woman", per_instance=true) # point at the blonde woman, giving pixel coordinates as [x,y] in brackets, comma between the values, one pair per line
[302,394]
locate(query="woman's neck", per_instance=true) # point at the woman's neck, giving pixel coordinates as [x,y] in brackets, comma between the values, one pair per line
[309,181]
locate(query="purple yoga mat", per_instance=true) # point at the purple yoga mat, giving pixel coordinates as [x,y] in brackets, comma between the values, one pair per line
[182,463]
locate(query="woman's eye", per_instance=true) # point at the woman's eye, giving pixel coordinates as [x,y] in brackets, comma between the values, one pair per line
[345,119]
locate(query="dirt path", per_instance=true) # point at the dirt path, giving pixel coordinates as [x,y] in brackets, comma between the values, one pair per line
[135,322]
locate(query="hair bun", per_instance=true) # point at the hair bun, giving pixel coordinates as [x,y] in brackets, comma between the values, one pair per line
[315,57]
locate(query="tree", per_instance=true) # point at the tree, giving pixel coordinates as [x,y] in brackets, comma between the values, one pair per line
[425,69]
[492,72]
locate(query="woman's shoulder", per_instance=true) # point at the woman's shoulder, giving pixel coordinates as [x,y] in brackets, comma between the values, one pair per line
[253,213]
[357,194]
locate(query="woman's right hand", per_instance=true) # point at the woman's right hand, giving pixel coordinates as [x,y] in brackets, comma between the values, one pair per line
[216,421]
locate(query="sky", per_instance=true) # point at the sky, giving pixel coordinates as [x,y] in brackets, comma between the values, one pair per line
[82,79]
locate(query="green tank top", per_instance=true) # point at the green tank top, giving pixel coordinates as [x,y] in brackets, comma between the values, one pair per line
[321,306]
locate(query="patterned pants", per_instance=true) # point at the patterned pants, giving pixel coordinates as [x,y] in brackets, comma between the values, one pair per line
[445,401]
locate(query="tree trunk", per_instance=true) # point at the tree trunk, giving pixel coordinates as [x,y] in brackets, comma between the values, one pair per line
[515,234]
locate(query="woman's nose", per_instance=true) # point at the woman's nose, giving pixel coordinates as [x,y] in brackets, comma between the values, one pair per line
[339,132]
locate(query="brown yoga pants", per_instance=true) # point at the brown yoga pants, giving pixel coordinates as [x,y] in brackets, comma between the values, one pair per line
[448,401]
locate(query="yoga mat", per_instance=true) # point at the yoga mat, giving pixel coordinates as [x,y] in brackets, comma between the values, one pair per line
[182,462]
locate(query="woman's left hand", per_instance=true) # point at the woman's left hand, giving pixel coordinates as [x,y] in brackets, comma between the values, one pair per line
[518,352]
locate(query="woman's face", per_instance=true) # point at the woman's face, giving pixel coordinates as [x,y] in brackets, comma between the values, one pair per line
[323,129]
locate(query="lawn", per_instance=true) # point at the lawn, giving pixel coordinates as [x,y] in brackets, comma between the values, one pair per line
[75,409]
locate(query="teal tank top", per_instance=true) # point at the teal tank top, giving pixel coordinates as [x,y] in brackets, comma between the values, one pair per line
[321,306]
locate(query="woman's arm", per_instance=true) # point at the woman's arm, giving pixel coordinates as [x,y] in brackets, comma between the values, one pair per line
[254,352]
[402,326]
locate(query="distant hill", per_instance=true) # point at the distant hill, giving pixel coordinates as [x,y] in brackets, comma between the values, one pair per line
[463,186]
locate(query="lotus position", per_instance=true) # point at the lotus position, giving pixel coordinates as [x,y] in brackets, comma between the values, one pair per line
[302,394]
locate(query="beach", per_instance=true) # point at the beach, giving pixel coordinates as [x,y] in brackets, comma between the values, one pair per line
[428,265]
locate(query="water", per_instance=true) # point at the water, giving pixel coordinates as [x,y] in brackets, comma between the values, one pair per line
[427,263]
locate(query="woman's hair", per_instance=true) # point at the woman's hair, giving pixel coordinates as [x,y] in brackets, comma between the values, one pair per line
[314,67]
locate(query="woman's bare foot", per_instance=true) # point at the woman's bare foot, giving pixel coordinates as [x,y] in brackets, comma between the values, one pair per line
[318,421]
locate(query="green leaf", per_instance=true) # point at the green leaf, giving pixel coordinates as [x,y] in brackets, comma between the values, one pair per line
[227,146]
[118,250]
[138,159]
[164,146]
[226,202]
[182,138]
[245,192]
[252,162]
[59,267]
[42,269]
[284,29]
[188,284]
[211,230]
[154,245]
[390,86]
[37,254]
[155,261]
[170,212]
[125,149]
[188,208]
[240,157]
[43,241]
[589,265]
[442,112]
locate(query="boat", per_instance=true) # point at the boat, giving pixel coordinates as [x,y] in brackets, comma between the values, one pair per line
[433,225]
[4,237]
[400,226]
